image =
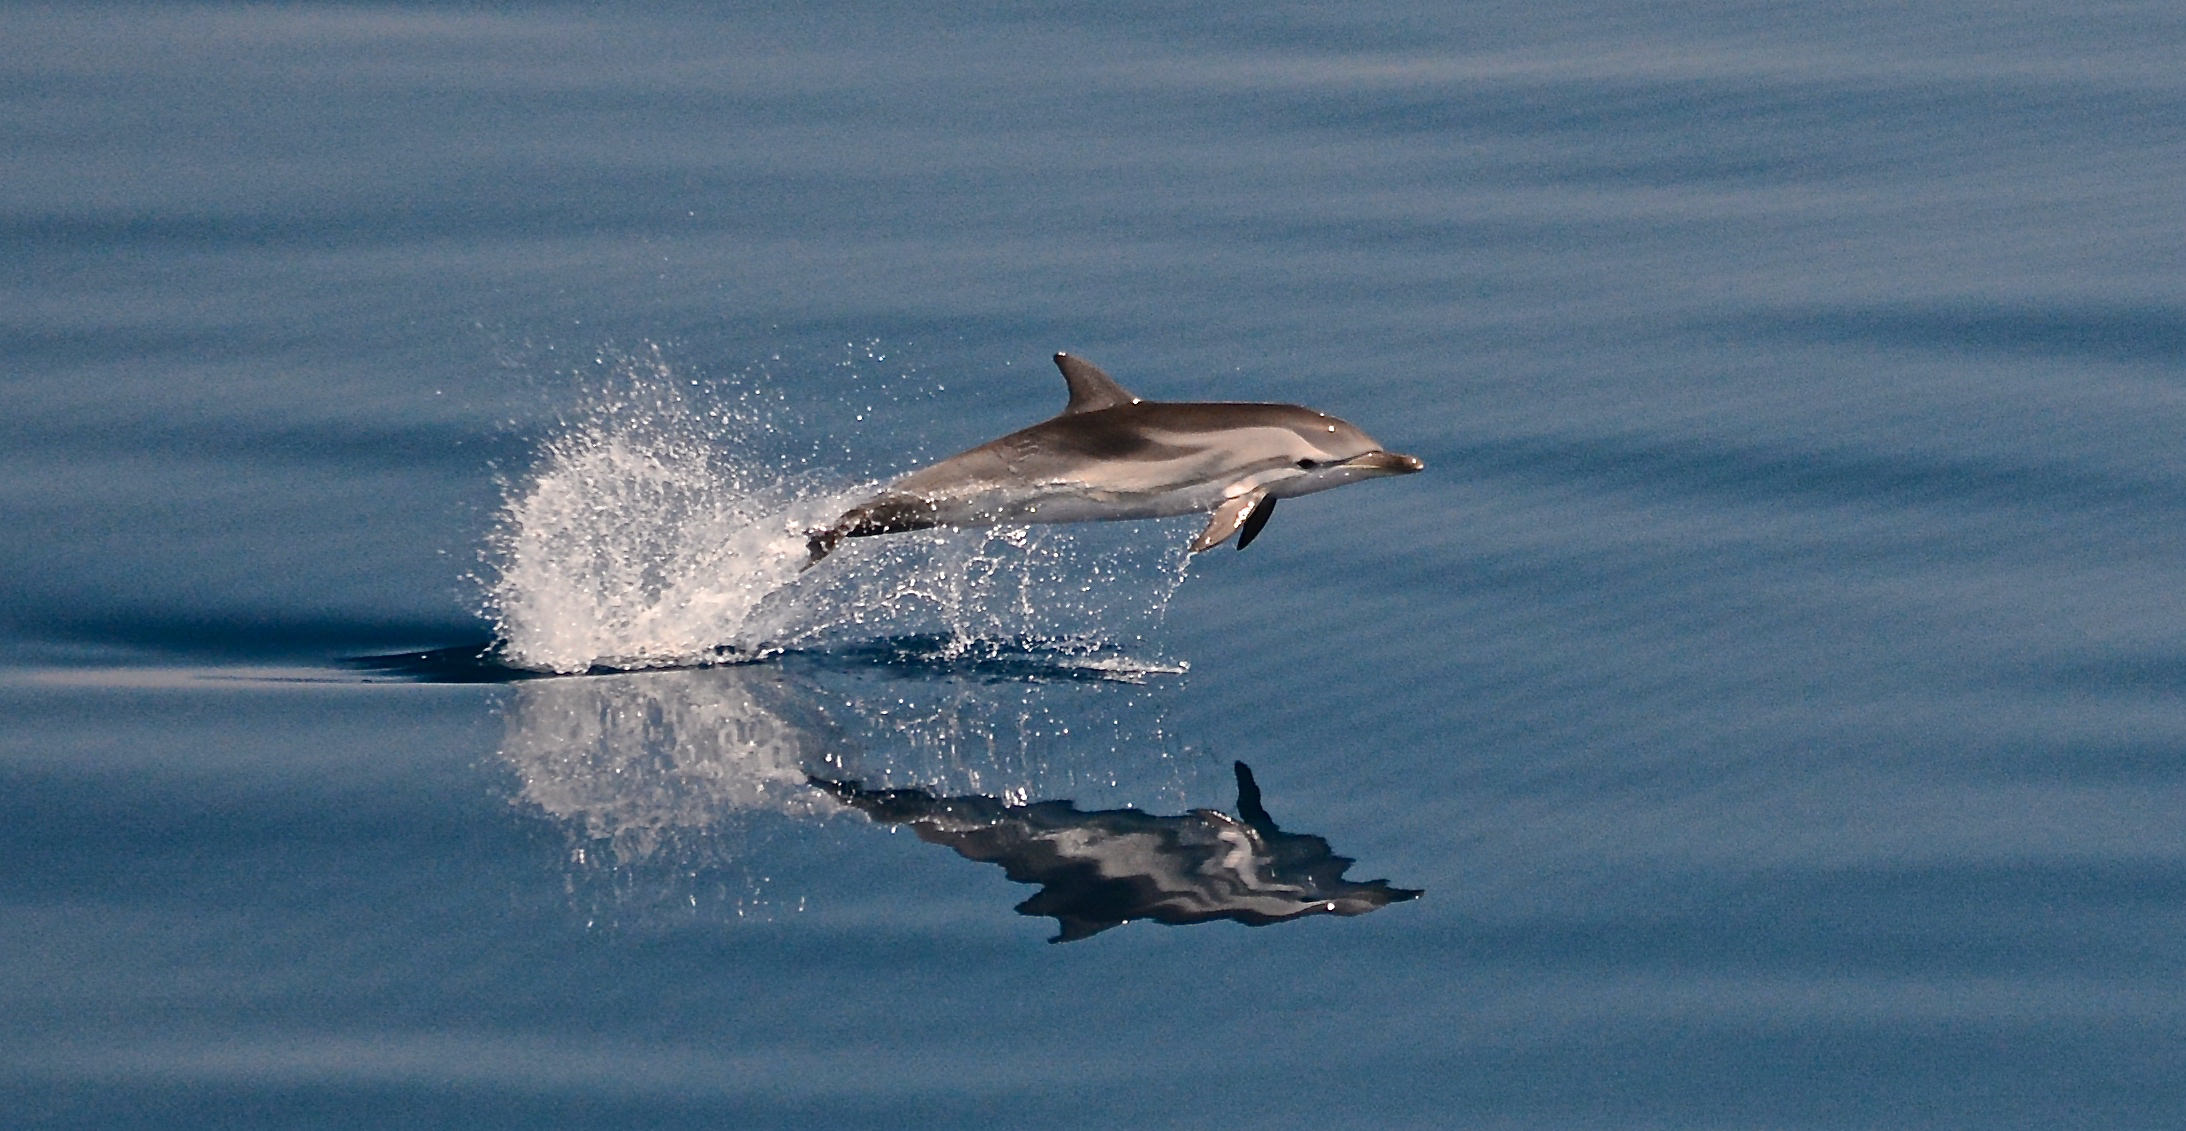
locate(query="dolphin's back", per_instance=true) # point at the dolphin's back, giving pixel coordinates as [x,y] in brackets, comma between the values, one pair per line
[1139,460]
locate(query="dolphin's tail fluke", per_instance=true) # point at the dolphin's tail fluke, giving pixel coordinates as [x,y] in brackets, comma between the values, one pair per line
[819,544]
[888,513]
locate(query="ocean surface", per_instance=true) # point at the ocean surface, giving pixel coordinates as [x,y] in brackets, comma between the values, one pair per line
[1768,709]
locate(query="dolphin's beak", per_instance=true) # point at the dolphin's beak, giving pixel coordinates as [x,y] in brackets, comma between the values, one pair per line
[1384,463]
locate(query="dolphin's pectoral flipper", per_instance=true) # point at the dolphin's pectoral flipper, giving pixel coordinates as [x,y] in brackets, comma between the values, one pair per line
[888,514]
[1090,389]
[1254,521]
[1226,518]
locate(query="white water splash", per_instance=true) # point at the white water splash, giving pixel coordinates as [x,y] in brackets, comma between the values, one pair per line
[652,533]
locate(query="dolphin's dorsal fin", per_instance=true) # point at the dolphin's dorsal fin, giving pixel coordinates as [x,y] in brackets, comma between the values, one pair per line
[1090,389]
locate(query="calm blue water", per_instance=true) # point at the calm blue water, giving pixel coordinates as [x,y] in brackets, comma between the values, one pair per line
[1776,684]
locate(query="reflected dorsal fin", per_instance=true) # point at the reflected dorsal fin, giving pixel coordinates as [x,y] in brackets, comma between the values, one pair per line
[1090,389]
[1248,800]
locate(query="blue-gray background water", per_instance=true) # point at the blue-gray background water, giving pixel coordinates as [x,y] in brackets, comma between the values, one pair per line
[1776,683]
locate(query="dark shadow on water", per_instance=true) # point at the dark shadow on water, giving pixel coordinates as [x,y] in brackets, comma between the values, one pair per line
[983,660]
[1009,660]
[242,636]
[458,663]
[1100,869]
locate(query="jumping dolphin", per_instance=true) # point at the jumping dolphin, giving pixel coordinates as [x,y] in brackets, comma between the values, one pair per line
[1111,455]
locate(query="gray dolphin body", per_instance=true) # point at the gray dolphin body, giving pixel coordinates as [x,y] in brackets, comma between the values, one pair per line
[1111,455]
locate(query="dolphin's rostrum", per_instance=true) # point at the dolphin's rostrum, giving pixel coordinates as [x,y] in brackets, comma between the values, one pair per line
[1111,455]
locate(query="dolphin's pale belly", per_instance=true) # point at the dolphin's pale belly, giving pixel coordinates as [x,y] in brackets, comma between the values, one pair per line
[1072,502]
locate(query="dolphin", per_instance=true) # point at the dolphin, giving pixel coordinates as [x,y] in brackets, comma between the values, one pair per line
[1113,455]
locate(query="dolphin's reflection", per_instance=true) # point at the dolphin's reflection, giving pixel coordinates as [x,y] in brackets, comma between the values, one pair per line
[679,791]
[1110,866]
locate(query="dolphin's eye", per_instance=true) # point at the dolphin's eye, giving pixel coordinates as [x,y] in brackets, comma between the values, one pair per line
[1308,464]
